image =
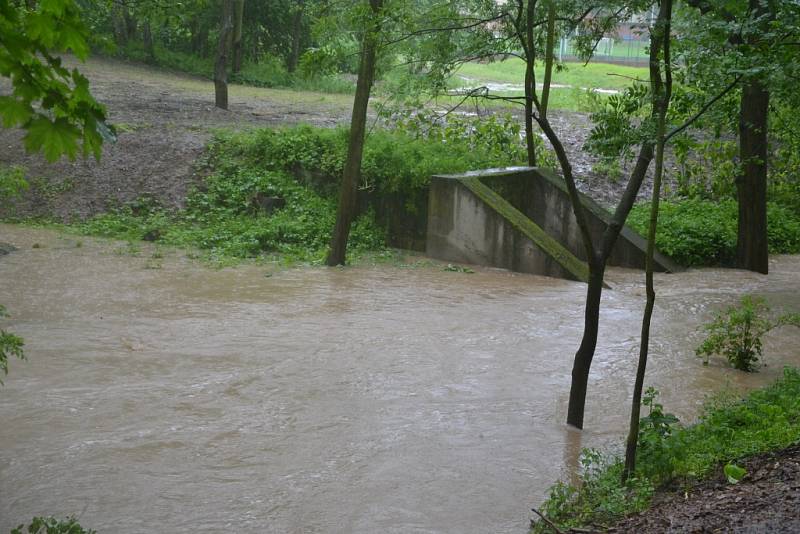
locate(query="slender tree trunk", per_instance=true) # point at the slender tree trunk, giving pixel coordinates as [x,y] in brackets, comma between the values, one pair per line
[238,49]
[147,39]
[548,58]
[355,147]
[662,94]
[223,50]
[297,24]
[530,82]
[751,184]
[120,28]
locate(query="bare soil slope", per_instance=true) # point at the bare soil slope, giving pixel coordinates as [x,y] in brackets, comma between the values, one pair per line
[767,499]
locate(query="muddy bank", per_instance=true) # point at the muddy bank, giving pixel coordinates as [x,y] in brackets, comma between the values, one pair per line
[767,499]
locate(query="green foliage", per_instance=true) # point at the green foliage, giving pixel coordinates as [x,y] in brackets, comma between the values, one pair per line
[734,473]
[51,525]
[302,166]
[730,430]
[616,129]
[600,498]
[12,182]
[703,232]
[10,345]
[50,102]
[737,332]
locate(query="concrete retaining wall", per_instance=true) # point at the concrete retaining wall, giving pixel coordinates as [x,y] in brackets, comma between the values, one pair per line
[542,196]
[470,223]
[524,223]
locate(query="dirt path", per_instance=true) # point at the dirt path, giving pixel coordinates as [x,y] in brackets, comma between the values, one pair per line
[164,121]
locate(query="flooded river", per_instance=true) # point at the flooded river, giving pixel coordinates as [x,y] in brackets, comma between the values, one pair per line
[371,399]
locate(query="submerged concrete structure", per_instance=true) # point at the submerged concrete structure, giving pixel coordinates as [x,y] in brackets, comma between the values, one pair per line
[521,219]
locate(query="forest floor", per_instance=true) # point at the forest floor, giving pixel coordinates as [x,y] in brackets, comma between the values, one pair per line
[164,120]
[767,499]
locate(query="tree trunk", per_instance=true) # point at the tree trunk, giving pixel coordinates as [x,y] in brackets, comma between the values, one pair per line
[238,49]
[548,57]
[751,184]
[583,357]
[662,96]
[223,50]
[530,82]
[297,22]
[355,147]
[147,39]
[120,28]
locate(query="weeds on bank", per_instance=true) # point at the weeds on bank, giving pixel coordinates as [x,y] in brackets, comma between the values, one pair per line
[767,419]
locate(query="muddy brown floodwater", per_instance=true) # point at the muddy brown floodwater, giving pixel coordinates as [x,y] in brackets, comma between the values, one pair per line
[371,399]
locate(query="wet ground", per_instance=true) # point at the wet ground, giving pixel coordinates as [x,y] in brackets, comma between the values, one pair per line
[767,499]
[161,395]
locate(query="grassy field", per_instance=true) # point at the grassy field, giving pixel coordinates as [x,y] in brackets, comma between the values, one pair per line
[593,75]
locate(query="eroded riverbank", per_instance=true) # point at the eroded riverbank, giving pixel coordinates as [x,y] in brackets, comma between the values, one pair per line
[186,399]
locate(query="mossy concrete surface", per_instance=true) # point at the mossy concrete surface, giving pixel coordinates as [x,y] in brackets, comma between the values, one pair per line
[469,222]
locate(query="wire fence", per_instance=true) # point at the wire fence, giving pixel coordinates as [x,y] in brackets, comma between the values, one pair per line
[624,51]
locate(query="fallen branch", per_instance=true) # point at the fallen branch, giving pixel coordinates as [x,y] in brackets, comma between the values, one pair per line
[547,521]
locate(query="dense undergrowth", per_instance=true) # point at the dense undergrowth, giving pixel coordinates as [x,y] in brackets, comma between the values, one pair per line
[728,430]
[695,231]
[302,167]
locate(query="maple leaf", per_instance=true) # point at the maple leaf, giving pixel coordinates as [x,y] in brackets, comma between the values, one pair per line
[53,138]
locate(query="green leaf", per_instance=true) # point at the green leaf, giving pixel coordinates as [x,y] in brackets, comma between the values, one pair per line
[14,112]
[734,473]
[54,138]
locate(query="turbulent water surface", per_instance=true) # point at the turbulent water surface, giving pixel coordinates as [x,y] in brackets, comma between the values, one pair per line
[385,399]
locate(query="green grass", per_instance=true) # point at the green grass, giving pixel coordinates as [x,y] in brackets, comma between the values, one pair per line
[593,75]
[728,430]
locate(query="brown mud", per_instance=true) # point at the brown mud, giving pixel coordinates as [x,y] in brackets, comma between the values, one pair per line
[767,499]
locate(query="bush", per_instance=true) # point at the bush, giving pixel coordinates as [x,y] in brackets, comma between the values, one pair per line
[736,333]
[51,525]
[703,232]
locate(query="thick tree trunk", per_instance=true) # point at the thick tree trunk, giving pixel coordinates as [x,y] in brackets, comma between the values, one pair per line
[238,49]
[751,184]
[355,146]
[223,50]
[297,25]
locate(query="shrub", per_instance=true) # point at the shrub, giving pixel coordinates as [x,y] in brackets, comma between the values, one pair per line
[736,333]
[51,525]
[703,232]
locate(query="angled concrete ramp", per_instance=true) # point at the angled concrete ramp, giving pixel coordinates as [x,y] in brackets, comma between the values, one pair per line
[470,223]
[521,219]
